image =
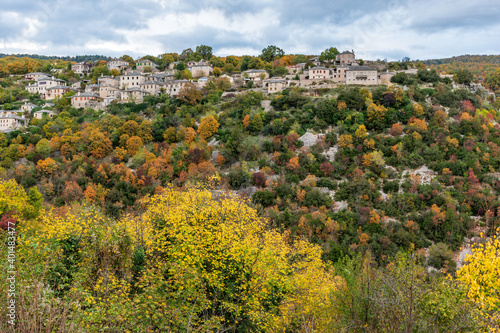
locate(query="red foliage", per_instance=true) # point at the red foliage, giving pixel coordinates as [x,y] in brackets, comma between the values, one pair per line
[4,222]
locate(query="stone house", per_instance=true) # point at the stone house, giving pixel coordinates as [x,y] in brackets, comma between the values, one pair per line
[316,61]
[134,94]
[153,87]
[361,75]
[131,80]
[202,81]
[295,69]
[82,68]
[276,85]
[92,88]
[106,91]
[35,76]
[82,100]
[319,73]
[162,77]
[118,64]
[346,57]
[28,107]
[230,78]
[41,113]
[172,88]
[56,91]
[40,86]
[106,80]
[200,69]
[146,65]
[10,120]
[256,75]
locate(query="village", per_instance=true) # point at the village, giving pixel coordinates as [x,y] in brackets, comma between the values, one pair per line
[134,83]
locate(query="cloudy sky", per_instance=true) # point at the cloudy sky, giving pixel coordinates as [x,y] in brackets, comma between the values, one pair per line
[374,29]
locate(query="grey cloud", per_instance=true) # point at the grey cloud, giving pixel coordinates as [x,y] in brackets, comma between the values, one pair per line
[310,26]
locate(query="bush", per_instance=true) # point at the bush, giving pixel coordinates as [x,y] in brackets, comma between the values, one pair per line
[238,178]
[326,182]
[264,198]
[317,199]
[391,187]
[439,255]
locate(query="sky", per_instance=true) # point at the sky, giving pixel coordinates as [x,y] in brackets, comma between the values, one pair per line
[374,29]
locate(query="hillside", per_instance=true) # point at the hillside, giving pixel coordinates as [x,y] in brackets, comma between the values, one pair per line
[303,210]
[479,65]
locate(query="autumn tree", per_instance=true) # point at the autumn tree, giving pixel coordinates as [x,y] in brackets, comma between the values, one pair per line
[189,94]
[361,132]
[133,145]
[208,127]
[482,277]
[46,167]
[99,144]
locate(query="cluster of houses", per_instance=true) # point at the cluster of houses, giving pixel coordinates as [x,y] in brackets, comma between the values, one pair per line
[132,85]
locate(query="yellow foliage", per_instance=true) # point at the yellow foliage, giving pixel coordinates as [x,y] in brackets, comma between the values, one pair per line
[482,277]
[345,141]
[376,112]
[361,132]
[208,127]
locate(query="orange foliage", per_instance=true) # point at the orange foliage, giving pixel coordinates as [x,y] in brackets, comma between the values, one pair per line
[133,145]
[46,166]
[246,121]
[208,127]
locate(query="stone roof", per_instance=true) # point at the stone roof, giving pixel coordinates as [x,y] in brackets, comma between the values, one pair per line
[86,94]
[318,67]
[58,87]
[361,68]
[133,73]
[136,89]
[44,111]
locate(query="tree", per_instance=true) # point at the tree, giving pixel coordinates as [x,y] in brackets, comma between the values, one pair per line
[180,66]
[208,127]
[329,54]
[205,51]
[463,76]
[128,59]
[482,277]
[186,54]
[43,148]
[271,52]
[46,167]
[189,94]
[133,145]
[361,132]
[217,72]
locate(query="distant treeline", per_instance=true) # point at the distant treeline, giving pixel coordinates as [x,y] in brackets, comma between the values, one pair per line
[77,58]
[467,58]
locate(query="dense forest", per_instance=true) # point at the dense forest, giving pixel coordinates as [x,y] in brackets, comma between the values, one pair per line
[481,66]
[78,58]
[344,209]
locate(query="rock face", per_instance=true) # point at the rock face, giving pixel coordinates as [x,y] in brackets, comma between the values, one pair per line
[309,139]
[426,174]
[266,105]
[330,153]
[213,142]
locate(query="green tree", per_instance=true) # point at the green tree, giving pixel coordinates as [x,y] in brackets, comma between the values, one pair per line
[270,53]
[205,51]
[463,76]
[329,54]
